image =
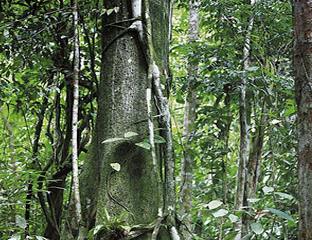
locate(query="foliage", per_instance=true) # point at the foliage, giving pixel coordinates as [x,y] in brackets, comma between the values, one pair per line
[35,93]
[36,51]
[270,93]
[111,228]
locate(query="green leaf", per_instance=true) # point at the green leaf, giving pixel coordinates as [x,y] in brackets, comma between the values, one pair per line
[159,139]
[115,166]
[275,121]
[105,218]
[253,200]
[267,190]
[284,195]
[254,68]
[112,140]
[268,73]
[20,221]
[97,229]
[103,11]
[280,214]
[257,228]
[233,218]
[109,11]
[130,134]
[290,110]
[247,237]
[220,213]
[119,219]
[214,204]
[145,145]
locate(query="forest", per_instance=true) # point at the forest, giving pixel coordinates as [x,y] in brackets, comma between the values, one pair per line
[155,119]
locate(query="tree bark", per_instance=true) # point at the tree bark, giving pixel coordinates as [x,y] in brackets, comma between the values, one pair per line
[186,192]
[244,146]
[134,59]
[302,64]
[254,160]
[75,141]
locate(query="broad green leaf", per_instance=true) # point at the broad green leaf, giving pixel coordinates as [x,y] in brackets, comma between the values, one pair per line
[220,213]
[115,166]
[214,204]
[130,134]
[109,11]
[254,68]
[275,121]
[159,139]
[112,140]
[145,145]
[257,228]
[267,190]
[284,195]
[233,218]
[280,214]
[20,221]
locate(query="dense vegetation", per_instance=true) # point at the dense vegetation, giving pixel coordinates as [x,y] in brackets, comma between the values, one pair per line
[36,68]
[271,114]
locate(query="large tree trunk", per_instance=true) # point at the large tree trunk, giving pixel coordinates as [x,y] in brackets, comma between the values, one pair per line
[138,188]
[302,64]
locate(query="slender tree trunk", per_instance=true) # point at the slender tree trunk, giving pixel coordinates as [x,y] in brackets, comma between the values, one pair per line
[75,122]
[186,192]
[254,160]
[302,64]
[244,146]
[253,168]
